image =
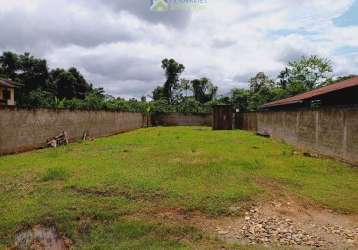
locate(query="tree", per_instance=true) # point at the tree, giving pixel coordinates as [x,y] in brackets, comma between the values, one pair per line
[173,71]
[204,90]
[185,86]
[259,82]
[240,99]
[9,65]
[82,88]
[283,78]
[158,93]
[306,74]
[99,92]
[256,100]
[71,84]
[40,98]
[65,84]
[33,74]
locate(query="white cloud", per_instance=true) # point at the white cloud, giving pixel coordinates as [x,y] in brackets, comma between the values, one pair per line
[120,44]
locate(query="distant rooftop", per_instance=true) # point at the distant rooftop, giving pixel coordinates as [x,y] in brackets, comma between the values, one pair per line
[8,83]
[300,98]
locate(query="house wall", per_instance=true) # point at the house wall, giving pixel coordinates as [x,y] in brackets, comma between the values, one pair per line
[11,101]
[328,131]
[26,129]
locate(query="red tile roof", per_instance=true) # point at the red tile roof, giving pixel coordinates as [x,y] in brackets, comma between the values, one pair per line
[351,82]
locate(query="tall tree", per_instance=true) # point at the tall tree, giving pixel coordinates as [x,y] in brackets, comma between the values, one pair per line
[204,90]
[82,88]
[306,74]
[283,78]
[173,71]
[33,73]
[260,81]
[69,84]
[261,91]
[9,65]
[65,83]
[185,86]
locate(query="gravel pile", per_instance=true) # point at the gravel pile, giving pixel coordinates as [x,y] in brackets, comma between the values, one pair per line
[277,230]
[350,235]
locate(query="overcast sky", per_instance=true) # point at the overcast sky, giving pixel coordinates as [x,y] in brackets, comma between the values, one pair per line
[119,44]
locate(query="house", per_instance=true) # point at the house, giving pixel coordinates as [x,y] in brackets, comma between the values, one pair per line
[340,93]
[7,92]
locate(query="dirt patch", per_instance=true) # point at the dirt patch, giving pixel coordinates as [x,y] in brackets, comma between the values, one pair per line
[41,237]
[287,222]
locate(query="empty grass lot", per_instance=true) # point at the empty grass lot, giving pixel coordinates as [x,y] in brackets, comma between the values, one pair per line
[101,194]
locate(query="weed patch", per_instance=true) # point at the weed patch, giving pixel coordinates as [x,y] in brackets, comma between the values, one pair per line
[54,174]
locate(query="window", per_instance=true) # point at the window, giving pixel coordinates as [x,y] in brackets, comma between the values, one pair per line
[6,94]
[316,103]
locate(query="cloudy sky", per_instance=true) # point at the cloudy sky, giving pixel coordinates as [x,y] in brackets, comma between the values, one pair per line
[119,44]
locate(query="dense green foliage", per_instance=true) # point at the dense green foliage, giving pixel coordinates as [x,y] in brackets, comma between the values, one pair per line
[182,95]
[41,86]
[60,88]
[299,76]
[116,188]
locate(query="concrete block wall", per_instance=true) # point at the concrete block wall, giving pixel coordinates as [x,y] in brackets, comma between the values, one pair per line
[26,129]
[181,119]
[328,131]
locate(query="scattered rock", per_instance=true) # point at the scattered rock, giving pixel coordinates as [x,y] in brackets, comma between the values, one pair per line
[350,235]
[280,230]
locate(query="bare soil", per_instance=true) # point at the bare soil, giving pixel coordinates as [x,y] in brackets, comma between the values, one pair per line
[41,237]
[286,221]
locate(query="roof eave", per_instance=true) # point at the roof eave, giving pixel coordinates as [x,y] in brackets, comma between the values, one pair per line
[281,104]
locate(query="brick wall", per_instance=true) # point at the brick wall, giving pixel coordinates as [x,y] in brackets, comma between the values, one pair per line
[327,131]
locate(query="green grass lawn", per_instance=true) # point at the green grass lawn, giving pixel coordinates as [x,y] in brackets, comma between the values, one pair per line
[93,190]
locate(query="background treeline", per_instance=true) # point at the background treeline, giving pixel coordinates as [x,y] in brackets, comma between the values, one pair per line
[67,88]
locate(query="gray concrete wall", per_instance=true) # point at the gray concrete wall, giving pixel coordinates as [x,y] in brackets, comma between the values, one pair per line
[26,129]
[181,119]
[328,131]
